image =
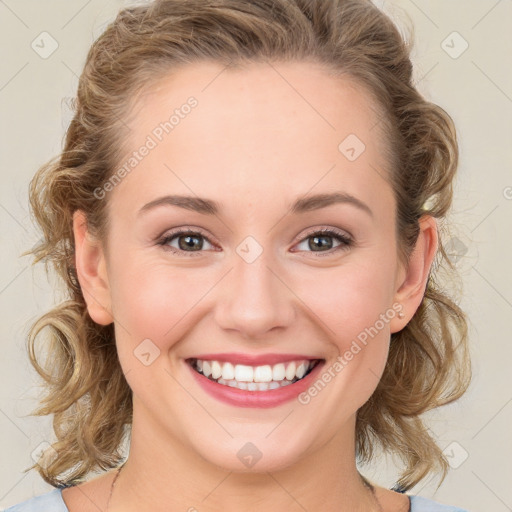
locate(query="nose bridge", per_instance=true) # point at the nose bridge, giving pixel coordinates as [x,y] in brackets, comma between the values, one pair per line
[257,300]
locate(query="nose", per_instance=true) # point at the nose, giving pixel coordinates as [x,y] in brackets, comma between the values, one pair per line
[255,298]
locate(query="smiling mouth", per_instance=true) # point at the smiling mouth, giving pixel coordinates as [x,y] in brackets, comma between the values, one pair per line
[254,378]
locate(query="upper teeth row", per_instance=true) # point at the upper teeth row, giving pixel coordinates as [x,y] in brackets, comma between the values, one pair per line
[243,373]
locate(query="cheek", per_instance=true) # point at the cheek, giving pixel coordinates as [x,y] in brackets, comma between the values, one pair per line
[350,299]
[353,305]
[150,301]
[154,306]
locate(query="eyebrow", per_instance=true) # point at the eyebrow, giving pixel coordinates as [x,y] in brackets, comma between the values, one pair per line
[301,205]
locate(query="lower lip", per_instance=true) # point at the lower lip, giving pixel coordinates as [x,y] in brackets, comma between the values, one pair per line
[256,399]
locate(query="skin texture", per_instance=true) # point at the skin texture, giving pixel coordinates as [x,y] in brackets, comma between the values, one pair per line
[254,144]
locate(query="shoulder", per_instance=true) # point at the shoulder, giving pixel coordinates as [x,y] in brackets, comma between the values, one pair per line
[420,504]
[49,502]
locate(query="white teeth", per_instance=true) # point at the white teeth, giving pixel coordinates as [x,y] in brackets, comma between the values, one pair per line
[263,373]
[301,371]
[216,370]
[207,369]
[278,372]
[228,371]
[243,373]
[290,371]
[259,378]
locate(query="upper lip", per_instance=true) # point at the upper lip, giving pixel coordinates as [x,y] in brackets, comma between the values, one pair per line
[253,360]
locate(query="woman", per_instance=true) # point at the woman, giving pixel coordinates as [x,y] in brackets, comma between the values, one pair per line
[246,214]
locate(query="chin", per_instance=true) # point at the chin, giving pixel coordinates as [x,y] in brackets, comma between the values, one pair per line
[256,455]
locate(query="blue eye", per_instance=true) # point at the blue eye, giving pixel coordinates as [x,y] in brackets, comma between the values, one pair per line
[190,242]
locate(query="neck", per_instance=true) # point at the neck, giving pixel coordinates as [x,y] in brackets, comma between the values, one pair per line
[177,478]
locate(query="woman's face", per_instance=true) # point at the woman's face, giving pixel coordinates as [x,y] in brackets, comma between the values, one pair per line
[255,278]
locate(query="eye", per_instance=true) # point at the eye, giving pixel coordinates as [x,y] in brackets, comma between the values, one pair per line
[320,239]
[187,241]
[190,241]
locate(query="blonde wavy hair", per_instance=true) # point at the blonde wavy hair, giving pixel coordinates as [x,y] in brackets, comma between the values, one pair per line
[428,363]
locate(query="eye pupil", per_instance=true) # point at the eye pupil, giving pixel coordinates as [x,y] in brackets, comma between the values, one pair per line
[322,245]
[189,244]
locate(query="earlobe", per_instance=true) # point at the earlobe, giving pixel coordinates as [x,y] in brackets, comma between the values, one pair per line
[92,271]
[412,287]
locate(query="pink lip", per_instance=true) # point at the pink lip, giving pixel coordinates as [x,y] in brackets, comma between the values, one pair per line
[259,360]
[256,399]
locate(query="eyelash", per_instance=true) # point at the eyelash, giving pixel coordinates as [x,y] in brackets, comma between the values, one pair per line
[346,241]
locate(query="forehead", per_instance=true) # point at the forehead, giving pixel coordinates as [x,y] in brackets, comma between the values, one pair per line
[282,127]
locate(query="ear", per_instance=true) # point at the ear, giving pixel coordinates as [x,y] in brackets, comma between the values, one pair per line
[412,281]
[91,269]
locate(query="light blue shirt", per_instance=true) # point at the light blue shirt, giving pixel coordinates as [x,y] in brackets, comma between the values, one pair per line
[52,502]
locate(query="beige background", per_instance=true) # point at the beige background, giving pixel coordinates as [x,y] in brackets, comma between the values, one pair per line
[474,86]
